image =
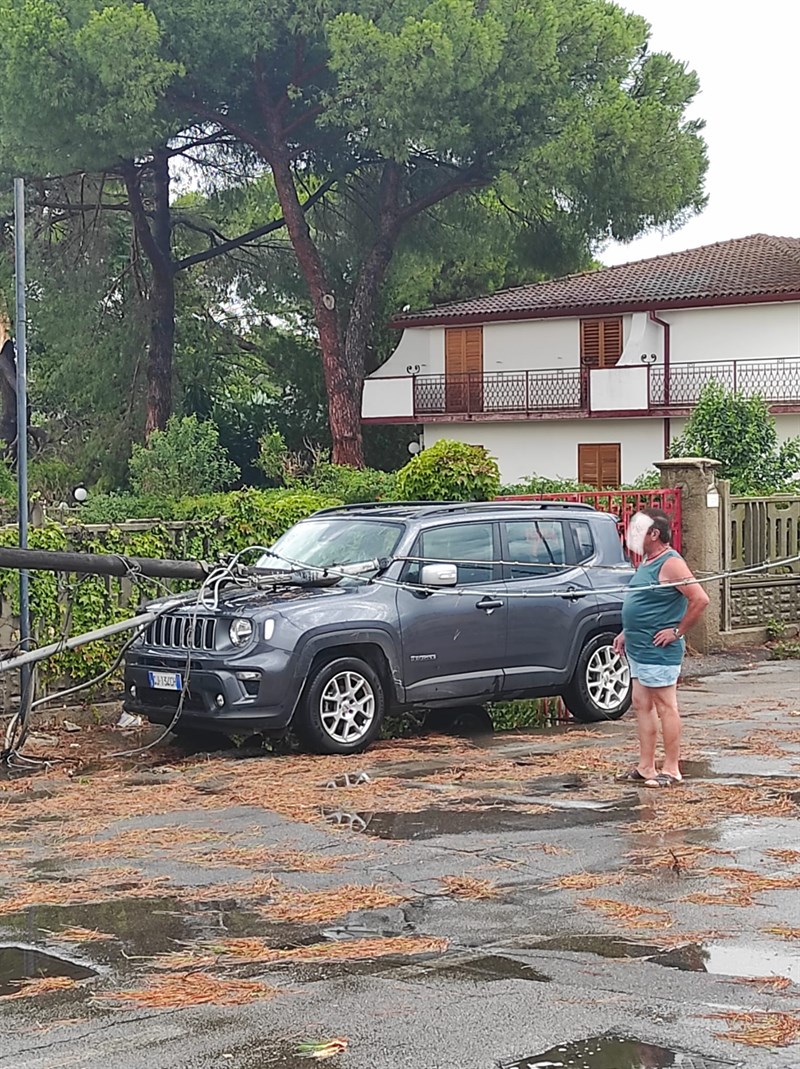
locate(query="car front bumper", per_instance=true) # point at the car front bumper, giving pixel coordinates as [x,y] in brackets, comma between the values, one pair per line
[220,696]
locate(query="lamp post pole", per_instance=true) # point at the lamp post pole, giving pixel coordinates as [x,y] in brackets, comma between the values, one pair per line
[22,424]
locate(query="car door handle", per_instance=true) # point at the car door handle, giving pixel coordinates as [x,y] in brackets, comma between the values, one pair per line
[573,593]
[489,604]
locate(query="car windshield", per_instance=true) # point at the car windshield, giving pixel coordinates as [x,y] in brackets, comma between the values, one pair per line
[324,543]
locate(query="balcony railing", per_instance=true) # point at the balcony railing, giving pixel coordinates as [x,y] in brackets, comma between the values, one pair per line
[636,388]
[776,380]
[524,392]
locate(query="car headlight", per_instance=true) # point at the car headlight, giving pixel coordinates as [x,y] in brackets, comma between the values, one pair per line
[241,631]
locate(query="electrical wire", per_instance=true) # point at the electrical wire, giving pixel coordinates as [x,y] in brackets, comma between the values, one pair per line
[208,597]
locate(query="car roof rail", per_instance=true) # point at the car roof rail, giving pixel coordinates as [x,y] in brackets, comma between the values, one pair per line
[364,505]
[456,506]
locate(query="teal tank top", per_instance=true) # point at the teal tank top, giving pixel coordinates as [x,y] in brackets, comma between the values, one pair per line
[646,612]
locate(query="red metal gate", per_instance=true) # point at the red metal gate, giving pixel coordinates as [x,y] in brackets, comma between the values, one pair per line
[622,504]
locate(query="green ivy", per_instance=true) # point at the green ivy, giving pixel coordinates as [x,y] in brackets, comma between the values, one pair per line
[214,526]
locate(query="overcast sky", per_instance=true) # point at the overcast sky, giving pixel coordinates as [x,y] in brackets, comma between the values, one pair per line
[746,54]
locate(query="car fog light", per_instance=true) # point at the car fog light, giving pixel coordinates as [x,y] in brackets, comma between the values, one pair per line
[248,676]
[241,631]
[219,700]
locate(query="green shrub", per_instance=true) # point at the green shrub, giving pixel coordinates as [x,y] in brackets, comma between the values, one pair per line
[186,458]
[272,456]
[450,471]
[525,713]
[740,432]
[118,508]
[540,484]
[351,485]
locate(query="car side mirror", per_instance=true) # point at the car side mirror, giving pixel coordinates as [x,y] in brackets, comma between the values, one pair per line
[439,575]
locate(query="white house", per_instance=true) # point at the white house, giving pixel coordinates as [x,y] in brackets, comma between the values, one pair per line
[592,375]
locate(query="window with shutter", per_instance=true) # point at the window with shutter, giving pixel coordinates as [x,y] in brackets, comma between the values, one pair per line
[601,342]
[463,369]
[599,464]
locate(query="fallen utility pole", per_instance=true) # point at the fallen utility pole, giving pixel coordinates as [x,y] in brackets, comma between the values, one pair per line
[78,640]
[101,564]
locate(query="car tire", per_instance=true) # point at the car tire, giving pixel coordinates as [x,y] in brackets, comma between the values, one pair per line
[600,688]
[464,720]
[342,707]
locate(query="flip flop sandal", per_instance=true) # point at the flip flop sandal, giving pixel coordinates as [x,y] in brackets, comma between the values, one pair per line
[633,775]
[662,780]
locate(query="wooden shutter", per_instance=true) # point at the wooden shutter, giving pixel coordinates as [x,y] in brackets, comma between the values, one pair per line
[463,368]
[599,465]
[601,342]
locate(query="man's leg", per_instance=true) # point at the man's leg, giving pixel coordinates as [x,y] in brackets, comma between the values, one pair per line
[646,728]
[666,705]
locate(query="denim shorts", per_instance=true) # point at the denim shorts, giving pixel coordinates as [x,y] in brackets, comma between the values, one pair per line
[654,675]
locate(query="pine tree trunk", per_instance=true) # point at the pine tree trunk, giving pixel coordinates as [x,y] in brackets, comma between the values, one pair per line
[162,305]
[156,242]
[343,383]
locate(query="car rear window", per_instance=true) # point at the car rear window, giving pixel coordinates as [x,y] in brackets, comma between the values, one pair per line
[535,547]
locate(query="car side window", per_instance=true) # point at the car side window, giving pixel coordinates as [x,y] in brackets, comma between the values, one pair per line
[536,547]
[464,544]
[584,543]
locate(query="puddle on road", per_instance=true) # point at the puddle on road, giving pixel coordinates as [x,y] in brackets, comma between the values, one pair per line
[24,963]
[139,927]
[730,959]
[600,945]
[610,1052]
[429,823]
[491,969]
[720,959]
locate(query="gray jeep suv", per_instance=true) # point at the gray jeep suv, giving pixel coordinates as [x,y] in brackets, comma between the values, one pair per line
[434,621]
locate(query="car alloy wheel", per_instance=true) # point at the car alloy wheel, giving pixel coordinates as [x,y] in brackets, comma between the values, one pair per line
[347,707]
[608,678]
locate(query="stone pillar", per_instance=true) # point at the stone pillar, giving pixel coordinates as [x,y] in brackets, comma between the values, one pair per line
[701,536]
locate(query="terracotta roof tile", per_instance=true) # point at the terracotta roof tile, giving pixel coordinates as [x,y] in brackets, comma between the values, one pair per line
[753,267]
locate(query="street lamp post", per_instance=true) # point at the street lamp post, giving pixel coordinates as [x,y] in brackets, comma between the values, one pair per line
[22,426]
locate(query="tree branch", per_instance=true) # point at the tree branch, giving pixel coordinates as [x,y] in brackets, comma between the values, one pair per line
[446,189]
[252,235]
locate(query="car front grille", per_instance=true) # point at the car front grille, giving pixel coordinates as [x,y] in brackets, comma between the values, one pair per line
[182,632]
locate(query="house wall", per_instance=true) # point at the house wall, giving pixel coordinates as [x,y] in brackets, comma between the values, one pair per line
[745,332]
[421,347]
[736,332]
[550,448]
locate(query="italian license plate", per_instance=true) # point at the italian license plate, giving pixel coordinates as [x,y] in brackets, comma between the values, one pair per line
[165,680]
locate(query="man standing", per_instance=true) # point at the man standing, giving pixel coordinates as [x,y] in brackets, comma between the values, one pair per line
[662,603]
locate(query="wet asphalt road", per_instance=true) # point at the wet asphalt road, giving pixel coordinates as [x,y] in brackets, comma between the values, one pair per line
[527,971]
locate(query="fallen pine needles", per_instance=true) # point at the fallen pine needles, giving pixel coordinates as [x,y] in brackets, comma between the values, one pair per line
[783,931]
[44,985]
[759,1029]
[177,990]
[469,887]
[256,951]
[317,907]
[629,915]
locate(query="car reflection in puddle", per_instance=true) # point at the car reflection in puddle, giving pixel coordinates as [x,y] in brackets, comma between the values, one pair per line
[492,819]
[612,1052]
[724,958]
[20,963]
